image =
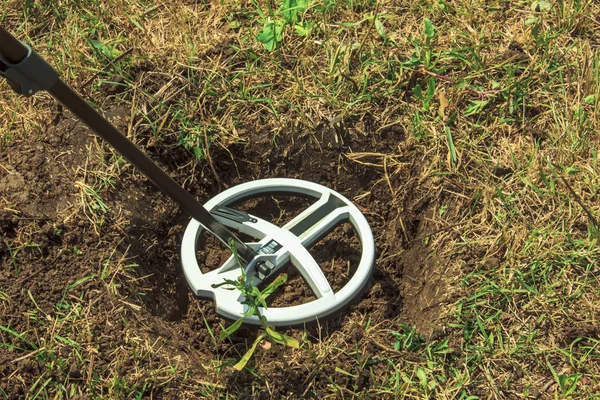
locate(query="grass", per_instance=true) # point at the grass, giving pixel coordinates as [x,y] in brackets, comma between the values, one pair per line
[499,102]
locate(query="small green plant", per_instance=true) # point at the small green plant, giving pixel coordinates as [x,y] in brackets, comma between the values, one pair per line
[426,96]
[289,14]
[408,338]
[254,299]
[566,383]
[423,54]
[451,147]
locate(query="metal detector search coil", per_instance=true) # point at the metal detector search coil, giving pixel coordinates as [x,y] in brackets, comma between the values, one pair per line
[279,245]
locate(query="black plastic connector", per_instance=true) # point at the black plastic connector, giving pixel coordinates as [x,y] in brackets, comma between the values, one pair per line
[29,76]
[264,269]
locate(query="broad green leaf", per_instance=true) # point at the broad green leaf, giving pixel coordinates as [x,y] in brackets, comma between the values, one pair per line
[280,280]
[417,91]
[380,28]
[108,51]
[452,117]
[422,375]
[198,153]
[570,384]
[544,5]
[242,363]
[430,89]
[251,311]
[429,29]
[541,5]
[562,380]
[97,44]
[590,99]
[271,34]
[291,8]
[531,21]
[282,339]
[231,329]
[304,28]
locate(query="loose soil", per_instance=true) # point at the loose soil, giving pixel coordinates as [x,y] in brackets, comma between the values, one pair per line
[48,241]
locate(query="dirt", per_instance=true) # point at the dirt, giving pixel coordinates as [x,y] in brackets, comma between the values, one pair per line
[48,241]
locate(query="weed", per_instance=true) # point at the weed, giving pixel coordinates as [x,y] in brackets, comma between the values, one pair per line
[289,14]
[254,299]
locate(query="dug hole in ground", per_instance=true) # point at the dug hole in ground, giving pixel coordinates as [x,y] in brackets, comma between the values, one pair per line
[120,253]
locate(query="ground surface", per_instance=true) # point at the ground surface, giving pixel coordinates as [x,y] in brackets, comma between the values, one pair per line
[466,132]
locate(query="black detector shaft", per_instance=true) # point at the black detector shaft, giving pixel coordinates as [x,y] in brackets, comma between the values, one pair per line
[28,73]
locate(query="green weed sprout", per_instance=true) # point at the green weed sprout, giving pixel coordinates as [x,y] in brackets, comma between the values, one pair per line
[289,13]
[254,299]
